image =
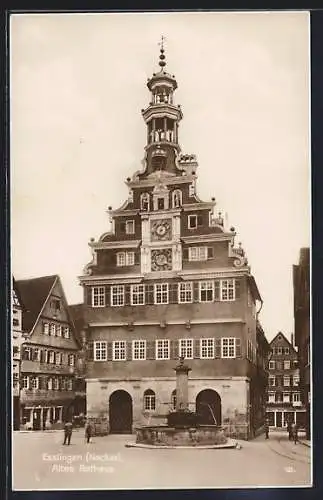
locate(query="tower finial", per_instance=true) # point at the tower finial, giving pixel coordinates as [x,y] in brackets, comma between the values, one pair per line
[162,62]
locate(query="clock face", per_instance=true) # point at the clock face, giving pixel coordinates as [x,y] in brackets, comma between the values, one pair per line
[161,229]
[161,260]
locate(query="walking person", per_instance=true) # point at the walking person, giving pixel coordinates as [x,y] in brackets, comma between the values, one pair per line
[267,428]
[68,429]
[290,430]
[89,431]
[295,433]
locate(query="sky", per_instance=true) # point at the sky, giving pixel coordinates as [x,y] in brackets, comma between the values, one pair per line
[78,84]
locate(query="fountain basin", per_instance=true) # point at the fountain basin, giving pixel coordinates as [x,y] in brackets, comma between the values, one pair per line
[163,435]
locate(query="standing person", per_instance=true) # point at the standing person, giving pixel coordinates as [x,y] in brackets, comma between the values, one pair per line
[88,431]
[68,429]
[267,428]
[295,433]
[290,430]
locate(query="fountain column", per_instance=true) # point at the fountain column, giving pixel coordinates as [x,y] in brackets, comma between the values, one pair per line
[182,385]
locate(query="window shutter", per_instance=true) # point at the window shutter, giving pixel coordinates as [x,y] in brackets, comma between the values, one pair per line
[196,348]
[217,290]
[174,349]
[196,293]
[42,382]
[137,258]
[89,352]
[109,351]
[107,295]
[42,356]
[127,295]
[129,350]
[150,349]
[149,292]
[185,253]
[88,295]
[238,348]
[217,348]
[200,220]
[238,288]
[210,252]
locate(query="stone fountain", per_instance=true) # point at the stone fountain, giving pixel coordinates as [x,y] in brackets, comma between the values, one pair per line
[184,428]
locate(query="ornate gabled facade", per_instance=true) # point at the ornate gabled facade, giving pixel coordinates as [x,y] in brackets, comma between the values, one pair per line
[284,396]
[49,356]
[166,281]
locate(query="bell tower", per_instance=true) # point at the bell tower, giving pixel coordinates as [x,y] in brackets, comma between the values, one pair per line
[162,119]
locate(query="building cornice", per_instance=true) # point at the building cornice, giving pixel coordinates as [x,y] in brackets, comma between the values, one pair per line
[166,379]
[201,205]
[210,321]
[169,181]
[194,274]
[207,238]
[101,245]
[111,279]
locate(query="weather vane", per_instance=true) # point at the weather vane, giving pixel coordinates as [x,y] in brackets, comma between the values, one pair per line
[161,43]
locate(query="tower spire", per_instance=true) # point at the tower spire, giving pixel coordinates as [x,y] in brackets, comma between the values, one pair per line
[162,57]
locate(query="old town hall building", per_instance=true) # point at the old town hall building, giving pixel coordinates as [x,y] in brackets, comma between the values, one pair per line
[168,282]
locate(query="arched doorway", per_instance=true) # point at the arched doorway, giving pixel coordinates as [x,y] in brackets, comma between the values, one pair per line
[120,412]
[208,407]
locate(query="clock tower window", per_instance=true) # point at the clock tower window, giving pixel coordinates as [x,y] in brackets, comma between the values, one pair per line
[144,201]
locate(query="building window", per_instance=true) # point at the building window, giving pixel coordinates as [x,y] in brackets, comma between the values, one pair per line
[296,380]
[49,384]
[186,348]
[279,365]
[286,397]
[207,348]
[125,259]
[279,351]
[51,357]
[138,349]
[144,202]
[228,347]
[98,296]
[162,349]
[161,293]
[66,332]
[63,384]
[271,381]
[278,397]
[296,397]
[197,253]
[130,227]
[46,328]
[192,221]
[59,330]
[58,358]
[149,400]
[25,382]
[56,384]
[100,351]
[71,359]
[56,305]
[53,329]
[185,292]
[173,400]
[177,198]
[287,381]
[137,295]
[287,365]
[117,295]
[271,397]
[271,365]
[227,290]
[69,384]
[36,354]
[15,322]
[286,350]
[206,291]
[119,352]
[34,382]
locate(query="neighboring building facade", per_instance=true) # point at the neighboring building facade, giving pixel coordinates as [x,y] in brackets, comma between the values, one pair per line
[167,281]
[16,341]
[301,282]
[48,355]
[284,395]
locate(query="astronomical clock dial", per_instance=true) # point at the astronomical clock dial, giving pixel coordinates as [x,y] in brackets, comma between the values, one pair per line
[161,229]
[161,260]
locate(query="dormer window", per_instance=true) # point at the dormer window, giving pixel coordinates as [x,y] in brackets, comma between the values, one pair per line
[177,198]
[144,201]
[130,227]
[194,221]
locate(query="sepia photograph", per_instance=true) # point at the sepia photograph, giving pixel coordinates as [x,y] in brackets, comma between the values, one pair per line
[160,200]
